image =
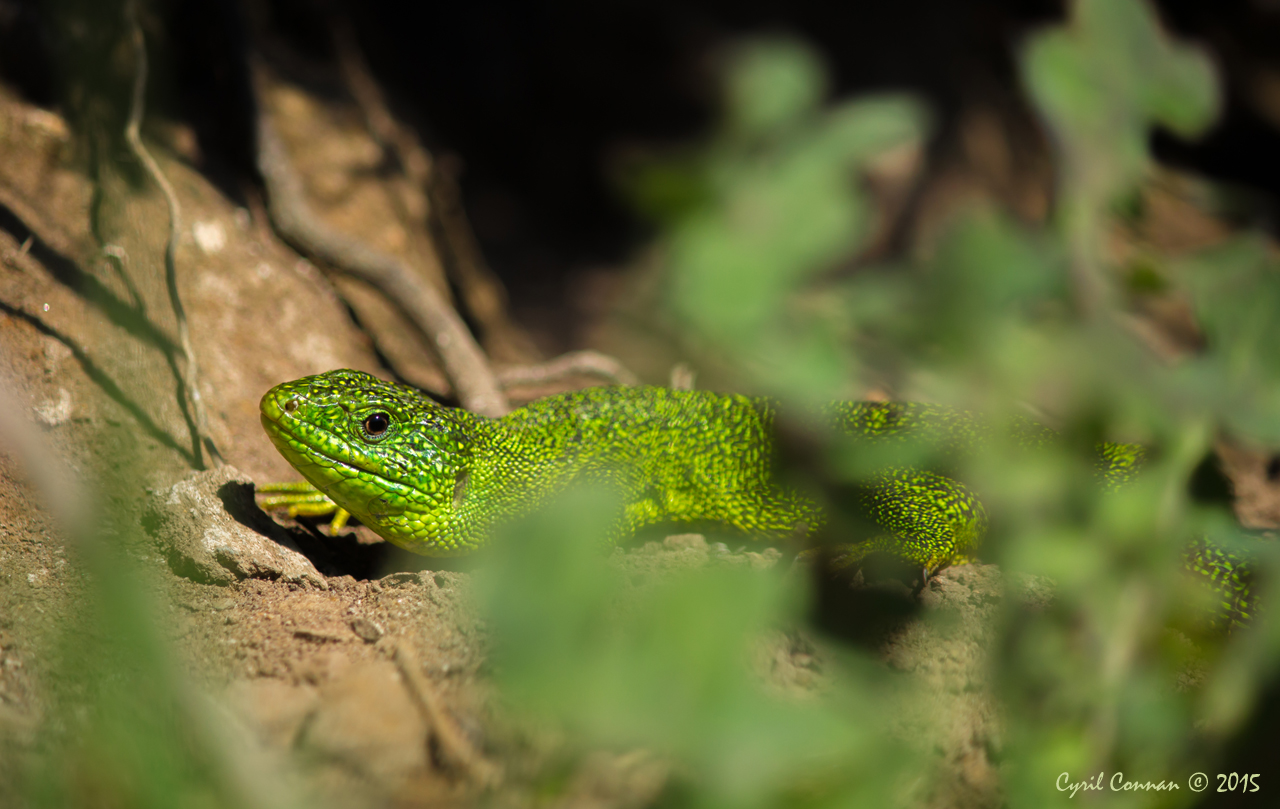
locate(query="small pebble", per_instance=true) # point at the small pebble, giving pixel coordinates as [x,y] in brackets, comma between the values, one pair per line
[317,635]
[367,630]
[399,580]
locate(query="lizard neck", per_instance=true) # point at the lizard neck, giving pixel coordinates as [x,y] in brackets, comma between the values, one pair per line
[503,470]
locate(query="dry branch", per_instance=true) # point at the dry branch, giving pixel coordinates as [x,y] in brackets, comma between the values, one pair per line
[450,739]
[464,363]
[574,363]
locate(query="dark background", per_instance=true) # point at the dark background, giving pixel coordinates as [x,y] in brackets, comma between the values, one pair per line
[538,100]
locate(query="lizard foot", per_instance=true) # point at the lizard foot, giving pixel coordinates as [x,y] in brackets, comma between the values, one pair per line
[302,500]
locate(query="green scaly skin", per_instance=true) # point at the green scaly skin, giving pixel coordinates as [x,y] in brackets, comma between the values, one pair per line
[437,481]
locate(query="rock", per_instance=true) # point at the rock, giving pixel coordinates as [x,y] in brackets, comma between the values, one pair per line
[211,531]
[52,412]
[763,560]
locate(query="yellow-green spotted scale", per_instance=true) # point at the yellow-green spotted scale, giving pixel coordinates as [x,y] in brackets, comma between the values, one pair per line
[437,481]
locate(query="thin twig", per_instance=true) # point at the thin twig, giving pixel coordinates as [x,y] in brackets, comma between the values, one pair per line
[574,363]
[190,380]
[464,363]
[14,258]
[450,740]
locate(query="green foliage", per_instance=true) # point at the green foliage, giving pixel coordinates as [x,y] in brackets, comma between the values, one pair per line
[1235,289]
[756,221]
[125,726]
[1101,83]
[664,666]
[1104,79]
[776,205]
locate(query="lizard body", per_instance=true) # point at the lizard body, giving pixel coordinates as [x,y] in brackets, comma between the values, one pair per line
[437,481]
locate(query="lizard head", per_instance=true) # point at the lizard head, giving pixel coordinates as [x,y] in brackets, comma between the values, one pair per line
[384,452]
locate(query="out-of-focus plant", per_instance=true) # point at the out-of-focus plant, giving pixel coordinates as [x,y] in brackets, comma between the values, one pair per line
[665,666]
[123,725]
[771,203]
[1101,83]
[999,317]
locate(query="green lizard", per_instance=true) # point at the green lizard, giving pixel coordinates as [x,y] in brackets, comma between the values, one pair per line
[437,481]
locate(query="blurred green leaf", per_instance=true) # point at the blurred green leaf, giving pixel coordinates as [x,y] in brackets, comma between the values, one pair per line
[1103,80]
[998,316]
[665,665]
[771,85]
[771,202]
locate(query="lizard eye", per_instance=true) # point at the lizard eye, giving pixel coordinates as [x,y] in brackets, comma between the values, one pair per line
[376,425]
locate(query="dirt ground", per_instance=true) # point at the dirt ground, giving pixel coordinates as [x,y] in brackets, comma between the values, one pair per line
[359,669]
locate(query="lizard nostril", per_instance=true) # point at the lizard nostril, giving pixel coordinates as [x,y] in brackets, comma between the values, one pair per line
[291,405]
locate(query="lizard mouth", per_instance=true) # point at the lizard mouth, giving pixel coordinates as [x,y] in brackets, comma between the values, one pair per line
[301,454]
[365,492]
[304,443]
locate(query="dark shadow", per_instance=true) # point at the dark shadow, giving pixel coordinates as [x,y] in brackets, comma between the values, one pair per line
[1209,483]
[102,380]
[1249,753]
[342,555]
[332,556]
[398,560]
[865,607]
[212,89]
[68,273]
[128,316]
